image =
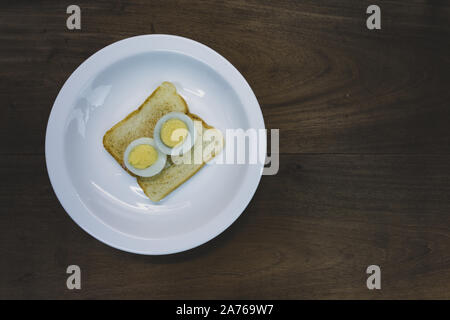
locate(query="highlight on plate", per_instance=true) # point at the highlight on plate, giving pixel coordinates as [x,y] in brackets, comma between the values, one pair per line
[150,141]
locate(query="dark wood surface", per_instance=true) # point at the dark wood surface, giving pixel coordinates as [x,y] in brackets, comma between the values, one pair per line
[365,140]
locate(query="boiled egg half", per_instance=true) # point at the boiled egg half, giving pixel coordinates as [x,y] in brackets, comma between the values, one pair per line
[143,158]
[175,133]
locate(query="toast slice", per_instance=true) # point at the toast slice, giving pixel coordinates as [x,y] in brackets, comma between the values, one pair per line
[141,123]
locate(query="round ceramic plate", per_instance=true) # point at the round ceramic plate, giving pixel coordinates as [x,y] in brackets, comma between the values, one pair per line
[105,200]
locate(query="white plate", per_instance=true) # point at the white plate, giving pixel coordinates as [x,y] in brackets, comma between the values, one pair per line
[105,200]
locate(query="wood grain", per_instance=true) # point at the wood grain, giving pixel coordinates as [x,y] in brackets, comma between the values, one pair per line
[310,232]
[364,172]
[321,77]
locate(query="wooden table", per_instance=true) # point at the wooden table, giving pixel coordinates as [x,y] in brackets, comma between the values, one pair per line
[365,151]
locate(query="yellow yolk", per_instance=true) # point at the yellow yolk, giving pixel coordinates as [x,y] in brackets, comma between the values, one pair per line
[143,156]
[173,132]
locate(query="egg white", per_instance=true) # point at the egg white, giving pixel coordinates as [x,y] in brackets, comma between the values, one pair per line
[188,142]
[150,171]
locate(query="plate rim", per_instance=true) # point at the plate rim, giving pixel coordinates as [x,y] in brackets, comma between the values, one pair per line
[59,178]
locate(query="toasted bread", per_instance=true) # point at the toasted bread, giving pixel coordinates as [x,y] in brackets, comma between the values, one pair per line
[141,123]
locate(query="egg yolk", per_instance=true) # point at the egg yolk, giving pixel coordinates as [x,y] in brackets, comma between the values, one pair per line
[173,132]
[143,156]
